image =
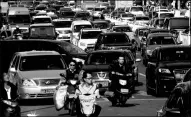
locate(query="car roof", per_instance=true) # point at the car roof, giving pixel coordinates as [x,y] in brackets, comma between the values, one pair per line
[100,21]
[18,8]
[81,22]
[160,34]
[111,33]
[91,29]
[37,53]
[41,16]
[62,19]
[41,24]
[109,51]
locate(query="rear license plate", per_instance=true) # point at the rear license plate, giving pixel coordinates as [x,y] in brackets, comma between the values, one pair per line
[124,90]
[104,84]
[48,90]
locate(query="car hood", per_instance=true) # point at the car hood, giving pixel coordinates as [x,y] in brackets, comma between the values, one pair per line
[152,47]
[176,65]
[41,74]
[95,68]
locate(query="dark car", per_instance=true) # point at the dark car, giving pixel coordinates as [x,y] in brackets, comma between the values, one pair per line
[98,63]
[155,30]
[82,15]
[113,40]
[67,14]
[102,24]
[155,40]
[166,67]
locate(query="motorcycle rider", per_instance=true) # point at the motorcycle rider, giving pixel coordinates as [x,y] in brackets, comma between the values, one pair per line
[119,66]
[71,73]
[17,31]
[87,87]
[8,92]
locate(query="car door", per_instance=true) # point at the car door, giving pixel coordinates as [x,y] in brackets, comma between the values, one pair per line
[151,69]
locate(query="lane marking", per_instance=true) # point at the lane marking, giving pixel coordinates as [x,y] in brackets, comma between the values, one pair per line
[141,74]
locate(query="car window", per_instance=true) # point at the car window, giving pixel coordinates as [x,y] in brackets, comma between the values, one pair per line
[42,20]
[160,40]
[44,62]
[111,39]
[122,29]
[13,64]
[42,31]
[101,25]
[175,55]
[62,24]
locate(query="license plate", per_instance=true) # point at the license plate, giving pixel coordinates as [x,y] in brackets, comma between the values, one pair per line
[48,90]
[181,76]
[124,90]
[104,84]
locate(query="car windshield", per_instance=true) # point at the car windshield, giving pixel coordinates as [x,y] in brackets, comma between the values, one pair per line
[41,8]
[142,18]
[62,24]
[41,20]
[122,29]
[115,38]
[175,54]
[137,9]
[82,15]
[43,62]
[67,14]
[77,28]
[101,25]
[42,32]
[103,58]
[15,19]
[127,15]
[72,49]
[90,34]
[161,40]
[164,15]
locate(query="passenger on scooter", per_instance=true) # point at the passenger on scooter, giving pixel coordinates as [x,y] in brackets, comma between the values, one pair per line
[8,91]
[119,66]
[87,87]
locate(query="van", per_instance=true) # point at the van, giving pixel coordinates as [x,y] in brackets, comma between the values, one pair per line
[19,16]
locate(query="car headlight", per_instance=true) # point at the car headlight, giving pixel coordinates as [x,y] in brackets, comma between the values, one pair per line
[122,82]
[163,70]
[28,82]
[149,52]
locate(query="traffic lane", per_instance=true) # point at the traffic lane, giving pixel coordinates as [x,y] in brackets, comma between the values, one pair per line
[133,107]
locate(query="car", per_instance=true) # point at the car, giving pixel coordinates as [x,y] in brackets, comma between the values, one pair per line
[141,20]
[177,105]
[155,40]
[126,17]
[67,14]
[102,24]
[87,38]
[113,40]
[166,68]
[36,73]
[98,62]
[82,15]
[63,28]
[137,10]
[164,14]
[157,22]
[41,19]
[115,14]
[155,30]
[76,26]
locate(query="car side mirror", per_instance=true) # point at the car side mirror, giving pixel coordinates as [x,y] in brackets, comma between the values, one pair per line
[12,69]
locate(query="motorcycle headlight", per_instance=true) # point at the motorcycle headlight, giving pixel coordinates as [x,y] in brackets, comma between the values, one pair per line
[122,82]
[163,70]
[73,82]
[29,83]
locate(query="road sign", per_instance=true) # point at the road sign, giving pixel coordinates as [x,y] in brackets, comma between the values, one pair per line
[188,3]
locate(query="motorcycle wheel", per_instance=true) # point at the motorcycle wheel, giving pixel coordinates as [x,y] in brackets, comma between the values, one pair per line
[72,108]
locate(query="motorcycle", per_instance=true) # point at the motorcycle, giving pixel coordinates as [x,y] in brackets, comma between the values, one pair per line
[87,104]
[18,36]
[13,109]
[71,96]
[125,87]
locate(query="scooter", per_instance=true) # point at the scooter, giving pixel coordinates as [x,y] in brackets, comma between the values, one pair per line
[71,96]
[13,109]
[87,104]
[125,87]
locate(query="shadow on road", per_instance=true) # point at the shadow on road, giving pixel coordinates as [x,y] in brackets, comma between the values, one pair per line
[36,102]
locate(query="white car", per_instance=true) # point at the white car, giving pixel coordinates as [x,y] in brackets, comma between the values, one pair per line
[137,10]
[76,27]
[41,19]
[63,28]
[88,37]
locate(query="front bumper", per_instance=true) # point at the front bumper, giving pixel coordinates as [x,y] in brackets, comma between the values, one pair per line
[167,83]
[37,92]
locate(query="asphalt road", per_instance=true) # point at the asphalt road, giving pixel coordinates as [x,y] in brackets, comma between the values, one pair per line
[140,104]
